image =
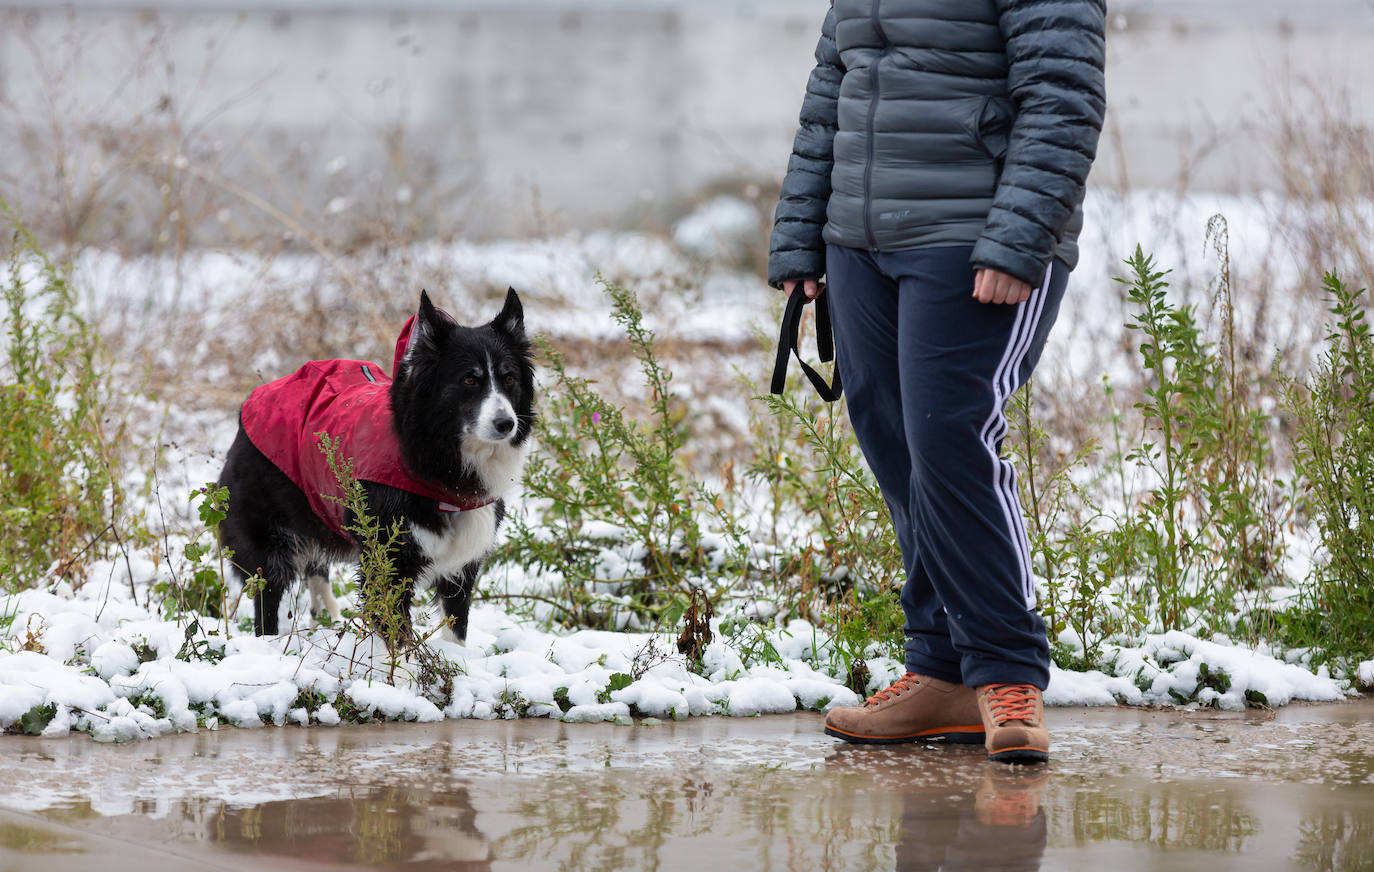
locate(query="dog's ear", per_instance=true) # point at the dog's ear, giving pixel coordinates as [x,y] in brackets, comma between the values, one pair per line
[432,322]
[430,325]
[432,316]
[511,321]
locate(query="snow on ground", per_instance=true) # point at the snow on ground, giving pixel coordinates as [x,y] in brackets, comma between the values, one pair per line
[108,667]
[98,661]
[1175,668]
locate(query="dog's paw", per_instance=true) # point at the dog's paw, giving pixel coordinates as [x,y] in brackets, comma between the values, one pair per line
[322,599]
[447,635]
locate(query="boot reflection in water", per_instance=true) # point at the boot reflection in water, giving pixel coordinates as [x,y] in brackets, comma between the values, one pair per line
[1000,827]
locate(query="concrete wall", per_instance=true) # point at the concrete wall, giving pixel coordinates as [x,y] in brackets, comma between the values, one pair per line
[487,119]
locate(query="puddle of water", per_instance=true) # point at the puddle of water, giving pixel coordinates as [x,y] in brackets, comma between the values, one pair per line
[1126,790]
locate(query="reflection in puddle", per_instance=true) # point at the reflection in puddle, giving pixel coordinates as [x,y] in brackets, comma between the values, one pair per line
[379,829]
[30,840]
[953,809]
[1001,826]
[754,796]
[1192,816]
[974,816]
[1336,840]
[921,809]
[849,813]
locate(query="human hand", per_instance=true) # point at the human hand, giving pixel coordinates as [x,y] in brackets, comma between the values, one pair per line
[811,287]
[991,286]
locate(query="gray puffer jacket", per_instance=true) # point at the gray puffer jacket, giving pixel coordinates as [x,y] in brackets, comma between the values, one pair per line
[930,123]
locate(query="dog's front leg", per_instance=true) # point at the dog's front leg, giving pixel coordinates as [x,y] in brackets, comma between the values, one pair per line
[455,593]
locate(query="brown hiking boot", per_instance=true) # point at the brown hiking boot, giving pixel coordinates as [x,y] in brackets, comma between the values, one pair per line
[1014,721]
[916,708]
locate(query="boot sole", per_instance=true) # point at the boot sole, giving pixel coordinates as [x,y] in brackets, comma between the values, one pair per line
[950,735]
[1020,755]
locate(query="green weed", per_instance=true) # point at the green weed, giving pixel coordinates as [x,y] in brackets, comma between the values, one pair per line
[57,428]
[846,574]
[1179,381]
[349,712]
[1332,413]
[384,593]
[207,647]
[1075,547]
[203,589]
[379,586]
[623,527]
[310,700]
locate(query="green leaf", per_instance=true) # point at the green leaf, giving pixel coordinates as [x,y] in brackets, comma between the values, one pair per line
[36,720]
[673,612]
[560,698]
[213,502]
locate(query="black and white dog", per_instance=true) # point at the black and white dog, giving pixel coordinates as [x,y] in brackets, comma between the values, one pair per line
[436,449]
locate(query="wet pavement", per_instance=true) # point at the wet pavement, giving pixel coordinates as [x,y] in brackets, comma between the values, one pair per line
[1126,789]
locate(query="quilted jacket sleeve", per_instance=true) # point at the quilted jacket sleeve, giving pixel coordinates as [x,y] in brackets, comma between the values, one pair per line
[796,250]
[1056,54]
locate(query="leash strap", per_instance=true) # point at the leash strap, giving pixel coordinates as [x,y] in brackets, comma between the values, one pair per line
[825,346]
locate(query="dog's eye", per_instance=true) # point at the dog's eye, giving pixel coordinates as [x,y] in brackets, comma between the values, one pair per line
[470,380]
[510,381]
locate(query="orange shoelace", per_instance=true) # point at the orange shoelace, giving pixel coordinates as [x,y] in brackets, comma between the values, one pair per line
[1011,702]
[906,682]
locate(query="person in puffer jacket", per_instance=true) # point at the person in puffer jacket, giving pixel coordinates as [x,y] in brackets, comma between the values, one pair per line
[935,194]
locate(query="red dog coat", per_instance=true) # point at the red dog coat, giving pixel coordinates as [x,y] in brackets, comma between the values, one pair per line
[349,400]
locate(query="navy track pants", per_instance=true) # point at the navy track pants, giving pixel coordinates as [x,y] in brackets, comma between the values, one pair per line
[927,369]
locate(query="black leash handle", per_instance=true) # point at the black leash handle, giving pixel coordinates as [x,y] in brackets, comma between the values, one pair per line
[825,346]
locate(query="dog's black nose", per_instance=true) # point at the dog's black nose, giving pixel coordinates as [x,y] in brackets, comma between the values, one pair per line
[503,426]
